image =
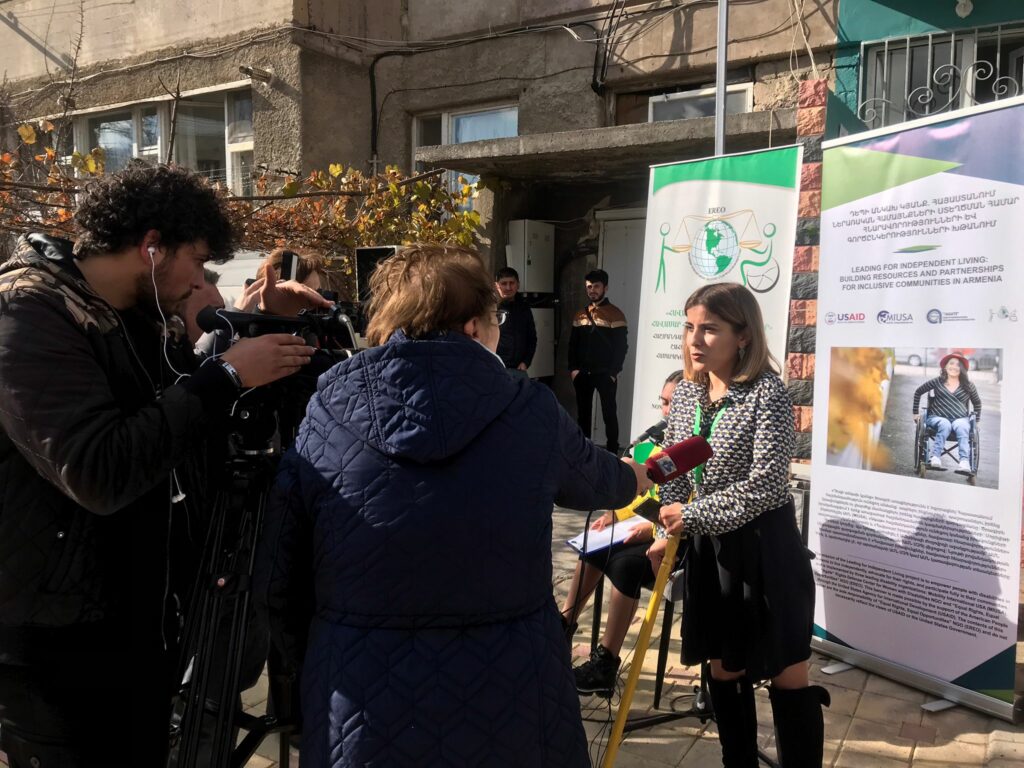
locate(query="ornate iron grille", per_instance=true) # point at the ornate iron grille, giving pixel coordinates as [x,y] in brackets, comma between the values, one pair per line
[910,77]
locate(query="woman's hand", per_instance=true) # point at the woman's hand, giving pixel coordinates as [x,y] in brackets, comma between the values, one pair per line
[917,417]
[287,298]
[250,296]
[643,482]
[602,522]
[656,553]
[671,517]
[639,533]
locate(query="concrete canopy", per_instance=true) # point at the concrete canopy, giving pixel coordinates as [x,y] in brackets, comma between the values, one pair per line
[617,152]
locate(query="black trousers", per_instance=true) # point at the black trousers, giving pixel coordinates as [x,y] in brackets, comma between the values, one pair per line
[84,717]
[605,386]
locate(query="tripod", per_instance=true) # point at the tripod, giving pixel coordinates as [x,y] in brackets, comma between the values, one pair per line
[218,627]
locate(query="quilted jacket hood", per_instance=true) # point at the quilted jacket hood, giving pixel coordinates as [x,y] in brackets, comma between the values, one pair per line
[420,400]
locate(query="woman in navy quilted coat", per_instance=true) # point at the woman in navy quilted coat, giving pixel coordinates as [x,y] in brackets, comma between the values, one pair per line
[412,520]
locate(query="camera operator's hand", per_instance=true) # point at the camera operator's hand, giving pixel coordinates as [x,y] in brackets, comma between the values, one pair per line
[264,359]
[287,298]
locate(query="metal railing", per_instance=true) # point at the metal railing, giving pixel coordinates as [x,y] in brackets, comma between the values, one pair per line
[905,78]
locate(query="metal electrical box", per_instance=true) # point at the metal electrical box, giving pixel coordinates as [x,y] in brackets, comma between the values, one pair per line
[531,253]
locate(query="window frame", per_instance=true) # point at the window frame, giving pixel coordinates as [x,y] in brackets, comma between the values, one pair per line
[80,133]
[447,122]
[747,88]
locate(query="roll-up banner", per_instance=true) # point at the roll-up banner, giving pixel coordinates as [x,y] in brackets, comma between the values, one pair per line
[723,219]
[917,474]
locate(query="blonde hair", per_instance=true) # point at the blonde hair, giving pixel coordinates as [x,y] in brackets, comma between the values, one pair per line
[427,288]
[305,265]
[737,306]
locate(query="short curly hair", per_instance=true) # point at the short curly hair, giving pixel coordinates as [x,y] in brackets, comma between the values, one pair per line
[117,211]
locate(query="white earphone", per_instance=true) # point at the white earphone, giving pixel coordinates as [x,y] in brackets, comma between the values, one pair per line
[152,253]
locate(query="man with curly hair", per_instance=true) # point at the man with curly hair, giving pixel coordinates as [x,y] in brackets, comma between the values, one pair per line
[100,434]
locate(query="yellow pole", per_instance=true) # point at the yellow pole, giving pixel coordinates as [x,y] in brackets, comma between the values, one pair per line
[641,650]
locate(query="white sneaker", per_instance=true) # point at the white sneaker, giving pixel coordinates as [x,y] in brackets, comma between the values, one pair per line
[965,465]
[935,462]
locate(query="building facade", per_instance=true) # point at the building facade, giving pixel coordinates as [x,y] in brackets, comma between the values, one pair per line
[556,107]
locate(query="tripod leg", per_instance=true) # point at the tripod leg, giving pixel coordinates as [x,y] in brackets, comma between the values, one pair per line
[666,632]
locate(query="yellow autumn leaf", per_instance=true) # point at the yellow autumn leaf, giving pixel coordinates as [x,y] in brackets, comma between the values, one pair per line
[27,133]
[336,169]
[89,162]
[46,126]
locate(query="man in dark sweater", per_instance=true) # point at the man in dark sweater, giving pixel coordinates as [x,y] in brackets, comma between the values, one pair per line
[597,350]
[518,339]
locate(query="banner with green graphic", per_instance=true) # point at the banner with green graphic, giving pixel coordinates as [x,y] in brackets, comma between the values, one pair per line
[917,483]
[724,219]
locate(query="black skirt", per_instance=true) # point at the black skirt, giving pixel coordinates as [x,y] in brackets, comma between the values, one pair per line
[626,566]
[749,596]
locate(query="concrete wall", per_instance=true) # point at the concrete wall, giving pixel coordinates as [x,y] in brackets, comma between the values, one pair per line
[335,112]
[276,106]
[40,34]
[549,73]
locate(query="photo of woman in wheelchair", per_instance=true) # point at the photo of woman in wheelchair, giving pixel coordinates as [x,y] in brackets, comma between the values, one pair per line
[953,407]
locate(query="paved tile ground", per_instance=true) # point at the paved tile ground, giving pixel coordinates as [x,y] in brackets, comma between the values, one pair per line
[872,723]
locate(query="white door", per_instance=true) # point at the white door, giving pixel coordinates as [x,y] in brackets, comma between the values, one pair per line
[621,255]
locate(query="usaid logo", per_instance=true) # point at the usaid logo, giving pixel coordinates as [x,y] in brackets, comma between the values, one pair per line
[844,317]
[885,317]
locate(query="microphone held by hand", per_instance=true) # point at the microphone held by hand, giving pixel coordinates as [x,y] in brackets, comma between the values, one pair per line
[678,459]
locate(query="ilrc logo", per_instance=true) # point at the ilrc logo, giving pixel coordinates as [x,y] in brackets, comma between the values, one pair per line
[886,317]
[934,316]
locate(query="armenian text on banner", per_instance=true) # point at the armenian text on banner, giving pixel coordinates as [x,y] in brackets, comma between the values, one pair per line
[916,484]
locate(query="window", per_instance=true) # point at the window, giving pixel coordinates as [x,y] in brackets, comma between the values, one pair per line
[124,135]
[699,103]
[910,77]
[213,135]
[462,127]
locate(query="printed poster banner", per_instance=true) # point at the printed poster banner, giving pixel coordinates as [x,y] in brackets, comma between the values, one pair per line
[916,489]
[724,219]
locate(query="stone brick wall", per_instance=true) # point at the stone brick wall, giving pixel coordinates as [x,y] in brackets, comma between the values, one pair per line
[803,305]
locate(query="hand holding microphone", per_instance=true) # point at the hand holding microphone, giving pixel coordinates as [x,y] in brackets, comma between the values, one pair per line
[674,461]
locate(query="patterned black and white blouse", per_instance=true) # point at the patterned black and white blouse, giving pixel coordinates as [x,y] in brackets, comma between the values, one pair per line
[752,442]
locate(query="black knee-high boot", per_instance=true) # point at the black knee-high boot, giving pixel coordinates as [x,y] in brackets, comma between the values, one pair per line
[799,725]
[736,716]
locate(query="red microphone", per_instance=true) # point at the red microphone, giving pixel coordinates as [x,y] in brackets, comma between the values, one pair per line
[678,459]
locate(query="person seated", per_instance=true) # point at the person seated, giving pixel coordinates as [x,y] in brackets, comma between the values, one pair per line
[628,567]
[309,271]
[950,393]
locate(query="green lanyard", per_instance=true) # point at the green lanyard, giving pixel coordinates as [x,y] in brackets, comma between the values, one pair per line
[698,472]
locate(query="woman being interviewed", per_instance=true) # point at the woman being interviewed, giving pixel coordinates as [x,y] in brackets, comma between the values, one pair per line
[749,590]
[418,500]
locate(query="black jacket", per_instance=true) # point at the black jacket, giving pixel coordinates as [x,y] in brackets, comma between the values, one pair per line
[518,340]
[598,342]
[91,425]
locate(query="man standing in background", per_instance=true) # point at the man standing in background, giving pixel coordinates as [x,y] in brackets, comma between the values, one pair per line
[518,340]
[597,351]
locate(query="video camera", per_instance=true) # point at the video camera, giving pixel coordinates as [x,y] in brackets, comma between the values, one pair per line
[278,408]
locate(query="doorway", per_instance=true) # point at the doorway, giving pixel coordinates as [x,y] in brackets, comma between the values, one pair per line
[621,255]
